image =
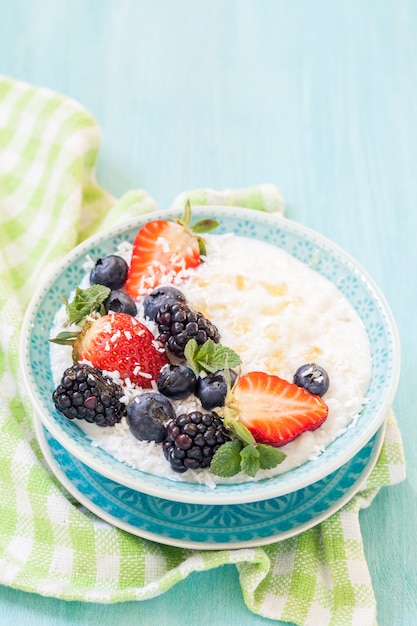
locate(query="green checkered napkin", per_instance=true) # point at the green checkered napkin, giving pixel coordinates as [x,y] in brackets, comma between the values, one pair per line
[49,544]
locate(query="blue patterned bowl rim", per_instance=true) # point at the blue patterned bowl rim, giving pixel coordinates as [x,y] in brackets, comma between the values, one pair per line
[300,241]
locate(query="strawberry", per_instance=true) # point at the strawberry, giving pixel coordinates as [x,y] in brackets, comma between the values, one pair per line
[274,410]
[163,249]
[118,341]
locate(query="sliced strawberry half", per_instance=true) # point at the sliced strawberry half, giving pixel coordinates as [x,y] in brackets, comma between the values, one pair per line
[161,250]
[118,341]
[274,410]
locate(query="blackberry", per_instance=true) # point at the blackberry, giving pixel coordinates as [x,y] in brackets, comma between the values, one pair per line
[178,323]
[84,393]
[192,439]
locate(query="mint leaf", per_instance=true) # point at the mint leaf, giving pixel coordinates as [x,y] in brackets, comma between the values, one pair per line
[65,338]
[269,456]
[226,460]
[190,352]
[222,357]
[210,357]
[85,301]
[204,354]
[250,463]
[245,455]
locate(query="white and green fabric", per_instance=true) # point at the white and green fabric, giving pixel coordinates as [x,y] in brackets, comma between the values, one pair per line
[49,544]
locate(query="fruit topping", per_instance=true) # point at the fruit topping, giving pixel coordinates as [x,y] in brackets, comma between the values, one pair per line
[312,377]
[163,249]
[85,394]
[178,323]
[274,410]
[119,302]
[193,439]
[85,302]
[210,357]
[212,389]
[244,419]
[158,297]
[176,381]
[119,342]
[246,456]
[147,415]
[111,271]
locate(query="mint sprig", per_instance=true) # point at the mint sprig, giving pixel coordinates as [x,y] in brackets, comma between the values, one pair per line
[226,460]
[250,460]
[269,457]
[85,302]
[210,357]
[245,454]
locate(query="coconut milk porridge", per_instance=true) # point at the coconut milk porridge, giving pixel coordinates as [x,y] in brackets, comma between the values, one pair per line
[277,314]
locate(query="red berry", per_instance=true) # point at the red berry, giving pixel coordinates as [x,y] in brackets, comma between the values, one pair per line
[161,250]
[118,341]
[274,410]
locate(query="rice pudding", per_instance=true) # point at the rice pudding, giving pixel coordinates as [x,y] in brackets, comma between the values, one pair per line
[277,314]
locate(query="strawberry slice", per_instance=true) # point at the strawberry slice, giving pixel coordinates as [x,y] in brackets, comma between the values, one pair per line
[118,341]
[161,250]
[274,410]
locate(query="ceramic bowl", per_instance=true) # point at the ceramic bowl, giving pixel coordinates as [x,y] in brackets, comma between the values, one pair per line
[304,244]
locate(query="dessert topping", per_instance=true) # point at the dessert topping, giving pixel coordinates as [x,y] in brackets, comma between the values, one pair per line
[84,393]
[163,249]
[147,415]
[111,271]
[312,377]
[119,342]
[176,381]
[178,323]
[193,439]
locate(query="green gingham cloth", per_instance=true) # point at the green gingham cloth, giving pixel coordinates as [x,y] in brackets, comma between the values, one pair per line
[50,544]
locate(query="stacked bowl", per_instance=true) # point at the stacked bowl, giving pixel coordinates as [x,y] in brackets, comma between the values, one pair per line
[232,515]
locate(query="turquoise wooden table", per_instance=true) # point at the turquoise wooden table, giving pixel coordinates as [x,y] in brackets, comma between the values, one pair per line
[319,98]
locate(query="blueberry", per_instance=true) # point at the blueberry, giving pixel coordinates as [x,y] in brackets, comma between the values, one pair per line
[147,416]
[160,296]
[119,302]
[212,389]
[176,381]
[313,378]
[111,271]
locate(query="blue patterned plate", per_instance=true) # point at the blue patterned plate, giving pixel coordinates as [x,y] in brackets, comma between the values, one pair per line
[210,527]
[331,261]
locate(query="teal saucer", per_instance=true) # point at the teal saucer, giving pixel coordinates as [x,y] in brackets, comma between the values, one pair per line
[207,526]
